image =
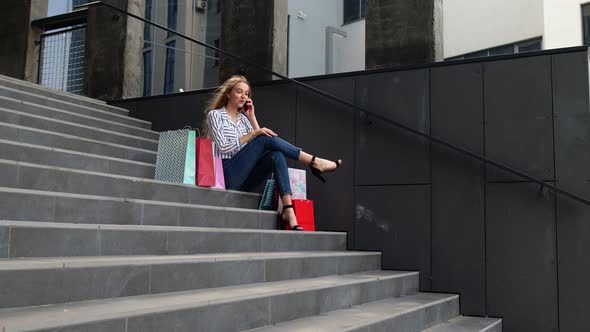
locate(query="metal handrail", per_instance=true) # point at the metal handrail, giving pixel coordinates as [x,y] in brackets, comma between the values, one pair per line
[59,32]
[357,108]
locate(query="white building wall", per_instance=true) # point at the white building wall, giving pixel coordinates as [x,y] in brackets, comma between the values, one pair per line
[307,36]
[473,25]
[349,53]
[563,23]
[307,39]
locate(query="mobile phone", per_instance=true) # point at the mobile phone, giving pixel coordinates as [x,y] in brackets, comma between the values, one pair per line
[246,106]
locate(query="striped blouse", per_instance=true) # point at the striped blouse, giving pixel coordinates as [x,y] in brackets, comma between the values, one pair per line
[225,133]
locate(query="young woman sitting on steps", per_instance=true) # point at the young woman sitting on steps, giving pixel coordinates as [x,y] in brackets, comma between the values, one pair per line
[251,153]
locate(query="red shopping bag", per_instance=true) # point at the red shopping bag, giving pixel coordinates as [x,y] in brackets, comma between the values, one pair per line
[304,213]
[205,169]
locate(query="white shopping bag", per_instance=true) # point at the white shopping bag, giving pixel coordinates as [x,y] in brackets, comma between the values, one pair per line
[298,184]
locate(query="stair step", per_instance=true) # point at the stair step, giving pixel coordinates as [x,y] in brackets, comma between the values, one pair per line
[469,324]
[53,93]
[32,282]
[45,123]
[409,314]
[21,239]
[50,178]
[57,114]
[30,135]
[233,308]
[51,206]
[71,107]
[23,152]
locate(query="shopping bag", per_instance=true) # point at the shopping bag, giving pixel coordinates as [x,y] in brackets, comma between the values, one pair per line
[189,161]
[175,159]
[205,169]
[268,200]
[219,176]
[304,213]
[298,183]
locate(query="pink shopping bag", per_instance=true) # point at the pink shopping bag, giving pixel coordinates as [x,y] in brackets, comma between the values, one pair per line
[219,177]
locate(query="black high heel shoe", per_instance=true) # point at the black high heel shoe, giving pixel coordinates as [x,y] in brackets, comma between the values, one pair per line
[317,173]
[286,223]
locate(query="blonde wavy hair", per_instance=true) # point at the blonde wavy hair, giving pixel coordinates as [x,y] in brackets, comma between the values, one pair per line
[220,99]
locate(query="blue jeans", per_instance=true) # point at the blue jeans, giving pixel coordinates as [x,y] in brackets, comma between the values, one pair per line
[254,163]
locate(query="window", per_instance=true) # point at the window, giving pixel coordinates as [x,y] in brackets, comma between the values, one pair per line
[147,73]
[353,10]
[520,47]
[170,64]
[172,14]
[506,49]
[534,45]
[147,31]
[586,23]
[476,54]
[215,6]
[362,9]
[78,2]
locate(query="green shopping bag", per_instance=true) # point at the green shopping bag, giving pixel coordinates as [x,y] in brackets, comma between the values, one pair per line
[190,164]
[175,161]
[268,201]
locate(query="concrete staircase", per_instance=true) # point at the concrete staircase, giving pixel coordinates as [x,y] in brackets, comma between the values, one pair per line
[88,242]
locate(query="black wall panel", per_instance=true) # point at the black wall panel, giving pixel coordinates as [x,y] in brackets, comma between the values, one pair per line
[521,257]
[457,106]
[458,186]
[131,107]
[518,115]
[572,122]
[402,96]
[572,144]
[193,109]
[389,156]
[326,129]
[386,154]
[163,113]
[171,112]
[275,107]
[396,220]
[574,264]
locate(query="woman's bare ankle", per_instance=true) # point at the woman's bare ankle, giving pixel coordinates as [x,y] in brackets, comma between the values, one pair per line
[289,217]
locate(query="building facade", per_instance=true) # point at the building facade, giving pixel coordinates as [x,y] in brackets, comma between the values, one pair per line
[171,63]
[470,29]
[329,36]
[503,26]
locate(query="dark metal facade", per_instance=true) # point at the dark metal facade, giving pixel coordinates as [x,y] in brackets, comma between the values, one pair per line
[509,249]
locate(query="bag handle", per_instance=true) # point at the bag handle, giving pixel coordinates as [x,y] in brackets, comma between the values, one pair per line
[193,129]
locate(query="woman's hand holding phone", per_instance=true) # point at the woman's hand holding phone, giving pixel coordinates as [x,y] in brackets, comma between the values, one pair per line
[248,109]
[248,106]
